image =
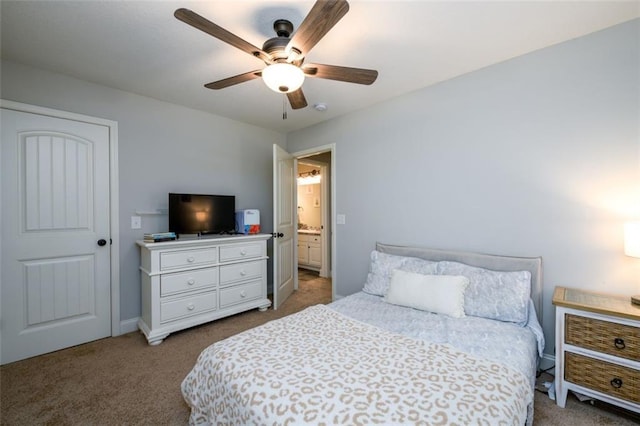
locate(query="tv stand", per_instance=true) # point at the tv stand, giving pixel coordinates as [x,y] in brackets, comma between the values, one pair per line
[189,282]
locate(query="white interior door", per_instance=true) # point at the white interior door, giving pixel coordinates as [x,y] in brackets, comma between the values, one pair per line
[56,287]
[284,253]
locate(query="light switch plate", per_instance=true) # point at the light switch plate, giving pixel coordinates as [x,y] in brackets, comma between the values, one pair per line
[341,219]
[136,222]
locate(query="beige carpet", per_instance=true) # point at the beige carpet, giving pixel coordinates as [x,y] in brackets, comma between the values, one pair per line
[123,380]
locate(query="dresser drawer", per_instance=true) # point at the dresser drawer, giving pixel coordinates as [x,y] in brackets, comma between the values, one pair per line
[603,336]
[615,380]
[187,306]
[240,272]
[186,258]
[240,293]
[189,280]
[240,251]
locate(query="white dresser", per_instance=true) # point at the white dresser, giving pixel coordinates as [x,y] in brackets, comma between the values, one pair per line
[193,281]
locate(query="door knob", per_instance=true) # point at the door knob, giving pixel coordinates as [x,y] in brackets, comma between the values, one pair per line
[278,235]
[102,242]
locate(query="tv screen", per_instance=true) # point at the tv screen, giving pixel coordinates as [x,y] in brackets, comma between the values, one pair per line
[202,214]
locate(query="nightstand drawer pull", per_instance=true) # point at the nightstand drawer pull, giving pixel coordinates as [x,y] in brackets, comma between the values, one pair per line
[616,383]
[619,343]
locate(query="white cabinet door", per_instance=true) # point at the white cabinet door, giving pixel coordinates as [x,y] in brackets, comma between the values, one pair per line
[303,249]
[315,254]
[303,253]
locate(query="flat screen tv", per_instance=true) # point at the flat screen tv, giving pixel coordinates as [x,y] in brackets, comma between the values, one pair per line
[202,214]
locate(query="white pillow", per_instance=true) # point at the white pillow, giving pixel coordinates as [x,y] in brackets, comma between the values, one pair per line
[440,294]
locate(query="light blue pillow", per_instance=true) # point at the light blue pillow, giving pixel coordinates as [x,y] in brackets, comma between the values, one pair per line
[498,295]
[382,265]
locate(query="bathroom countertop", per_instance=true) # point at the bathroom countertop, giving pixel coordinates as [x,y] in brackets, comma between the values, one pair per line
[309,231]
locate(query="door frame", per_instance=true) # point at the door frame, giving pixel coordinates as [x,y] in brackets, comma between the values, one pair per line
[114,229]
[300,155]
[325,272]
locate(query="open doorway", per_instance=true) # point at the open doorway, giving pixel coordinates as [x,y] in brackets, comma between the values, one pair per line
[313,187]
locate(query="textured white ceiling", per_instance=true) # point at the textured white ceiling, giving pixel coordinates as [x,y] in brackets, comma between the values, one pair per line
[138,46]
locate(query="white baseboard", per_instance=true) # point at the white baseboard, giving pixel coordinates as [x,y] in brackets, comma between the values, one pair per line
[129,326]
[548,361]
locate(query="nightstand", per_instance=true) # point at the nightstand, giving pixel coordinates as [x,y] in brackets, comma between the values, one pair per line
[597,347]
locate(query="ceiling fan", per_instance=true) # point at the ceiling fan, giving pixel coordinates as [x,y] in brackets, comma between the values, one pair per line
[284,55]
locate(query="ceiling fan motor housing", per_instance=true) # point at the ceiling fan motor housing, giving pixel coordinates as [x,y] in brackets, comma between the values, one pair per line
[275,48]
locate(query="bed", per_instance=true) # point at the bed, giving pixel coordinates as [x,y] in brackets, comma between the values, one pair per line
[382,355]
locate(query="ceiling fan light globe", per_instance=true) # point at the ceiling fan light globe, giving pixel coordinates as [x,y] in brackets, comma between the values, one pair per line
[283,77]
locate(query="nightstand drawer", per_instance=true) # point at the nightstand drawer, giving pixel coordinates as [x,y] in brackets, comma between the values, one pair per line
[611,379]
[603,336]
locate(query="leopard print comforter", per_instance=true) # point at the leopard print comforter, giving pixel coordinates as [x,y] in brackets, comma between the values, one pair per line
[321,367]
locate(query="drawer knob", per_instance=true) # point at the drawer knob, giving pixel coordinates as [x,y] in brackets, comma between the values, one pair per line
[619,343]
[616,383]
[191,306]
[191,281]
[243,253]
[191,259]
[243,273]
[243,294]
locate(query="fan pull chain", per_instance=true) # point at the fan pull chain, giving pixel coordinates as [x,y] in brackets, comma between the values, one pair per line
[284,106]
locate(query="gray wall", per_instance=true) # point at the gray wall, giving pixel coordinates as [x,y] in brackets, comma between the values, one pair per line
[162,148]
[539,155]
[536,156]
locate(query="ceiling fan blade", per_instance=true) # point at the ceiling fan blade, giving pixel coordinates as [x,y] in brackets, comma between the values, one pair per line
[236,79]
[334,72]
[297,99]
[189,17]
[323,16]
